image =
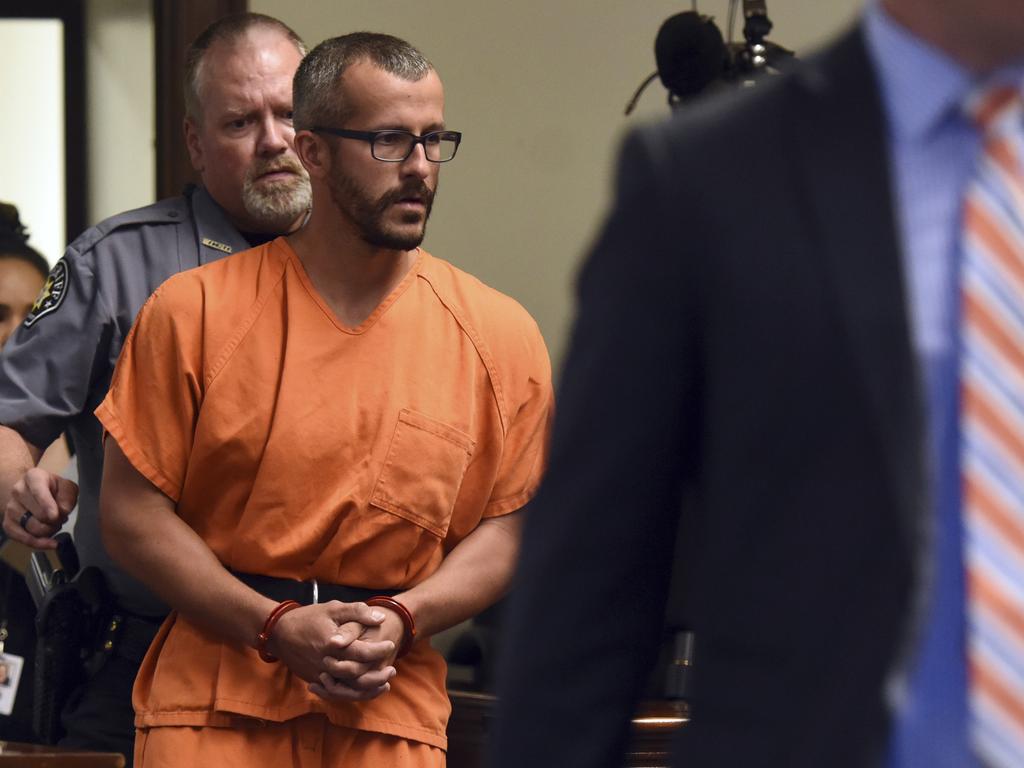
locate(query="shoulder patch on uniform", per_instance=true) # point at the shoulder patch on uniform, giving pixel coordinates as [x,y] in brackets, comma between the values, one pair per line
[216,245]
[52,294]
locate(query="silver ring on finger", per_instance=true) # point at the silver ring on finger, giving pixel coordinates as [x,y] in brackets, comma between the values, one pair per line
[24,520]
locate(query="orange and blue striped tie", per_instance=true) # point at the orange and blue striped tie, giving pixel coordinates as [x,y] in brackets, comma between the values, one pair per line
[992,429]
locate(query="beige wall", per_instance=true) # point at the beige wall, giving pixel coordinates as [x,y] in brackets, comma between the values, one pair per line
[538,87]
[121,115]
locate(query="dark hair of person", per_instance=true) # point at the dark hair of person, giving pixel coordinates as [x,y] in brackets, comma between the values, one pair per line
[14,240]
[316,98]
[225,30]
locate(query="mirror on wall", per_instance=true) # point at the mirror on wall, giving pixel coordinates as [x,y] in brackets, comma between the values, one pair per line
[32,143]
[42,135]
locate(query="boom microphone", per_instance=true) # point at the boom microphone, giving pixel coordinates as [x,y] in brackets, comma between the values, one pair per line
[690,53]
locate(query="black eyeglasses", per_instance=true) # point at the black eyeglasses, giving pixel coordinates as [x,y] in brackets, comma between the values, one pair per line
[396,146]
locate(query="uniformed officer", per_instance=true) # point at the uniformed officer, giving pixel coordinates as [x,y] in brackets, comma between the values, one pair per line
[58,365]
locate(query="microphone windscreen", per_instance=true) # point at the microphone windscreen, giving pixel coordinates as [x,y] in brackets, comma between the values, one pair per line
[690,52]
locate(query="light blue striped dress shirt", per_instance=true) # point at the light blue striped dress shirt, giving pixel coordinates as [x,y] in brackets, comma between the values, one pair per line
[932,151]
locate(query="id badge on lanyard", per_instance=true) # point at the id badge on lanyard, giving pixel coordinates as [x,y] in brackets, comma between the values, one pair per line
[10,674]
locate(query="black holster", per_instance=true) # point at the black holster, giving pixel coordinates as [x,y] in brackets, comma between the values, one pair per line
[70,621]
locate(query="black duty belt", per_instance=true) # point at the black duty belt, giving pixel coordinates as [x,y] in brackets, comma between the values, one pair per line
[134,635]
[307,592]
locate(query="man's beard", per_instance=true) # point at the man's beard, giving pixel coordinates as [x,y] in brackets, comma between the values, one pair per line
[276,205]
[368,215]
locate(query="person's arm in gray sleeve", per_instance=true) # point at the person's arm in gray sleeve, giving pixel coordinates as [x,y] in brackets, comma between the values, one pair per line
[47,374]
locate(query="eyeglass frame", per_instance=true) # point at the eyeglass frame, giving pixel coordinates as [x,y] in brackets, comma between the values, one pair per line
[371,138]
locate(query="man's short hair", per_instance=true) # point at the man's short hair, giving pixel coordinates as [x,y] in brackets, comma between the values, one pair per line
[225,30]
[317,100]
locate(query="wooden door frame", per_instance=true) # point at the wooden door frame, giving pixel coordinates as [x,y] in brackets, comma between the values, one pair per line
[70,13]
[176,23]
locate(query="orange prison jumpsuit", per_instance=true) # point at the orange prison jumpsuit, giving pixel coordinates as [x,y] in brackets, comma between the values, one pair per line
[297,447]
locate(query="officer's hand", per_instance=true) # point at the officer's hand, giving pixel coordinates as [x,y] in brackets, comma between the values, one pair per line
[316,639]
[43,501]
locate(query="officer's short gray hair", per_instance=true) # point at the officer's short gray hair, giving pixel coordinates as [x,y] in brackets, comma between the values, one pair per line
[226,30]
[317,100]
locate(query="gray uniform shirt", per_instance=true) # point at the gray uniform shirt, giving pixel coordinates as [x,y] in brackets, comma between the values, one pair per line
[56,368]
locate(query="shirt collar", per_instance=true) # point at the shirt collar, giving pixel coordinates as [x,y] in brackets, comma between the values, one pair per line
[216,235]
[921,85]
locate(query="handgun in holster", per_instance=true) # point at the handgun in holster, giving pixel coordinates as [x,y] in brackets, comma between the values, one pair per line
[70,611]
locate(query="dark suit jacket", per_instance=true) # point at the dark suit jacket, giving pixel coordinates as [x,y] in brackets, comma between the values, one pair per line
[741,353]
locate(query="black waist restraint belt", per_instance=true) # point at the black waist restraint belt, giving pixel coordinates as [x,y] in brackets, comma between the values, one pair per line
[307,592]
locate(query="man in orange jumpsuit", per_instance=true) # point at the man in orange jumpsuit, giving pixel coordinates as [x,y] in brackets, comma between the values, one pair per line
[332,416]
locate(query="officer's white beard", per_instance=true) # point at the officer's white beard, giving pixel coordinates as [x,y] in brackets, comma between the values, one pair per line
[276,204]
